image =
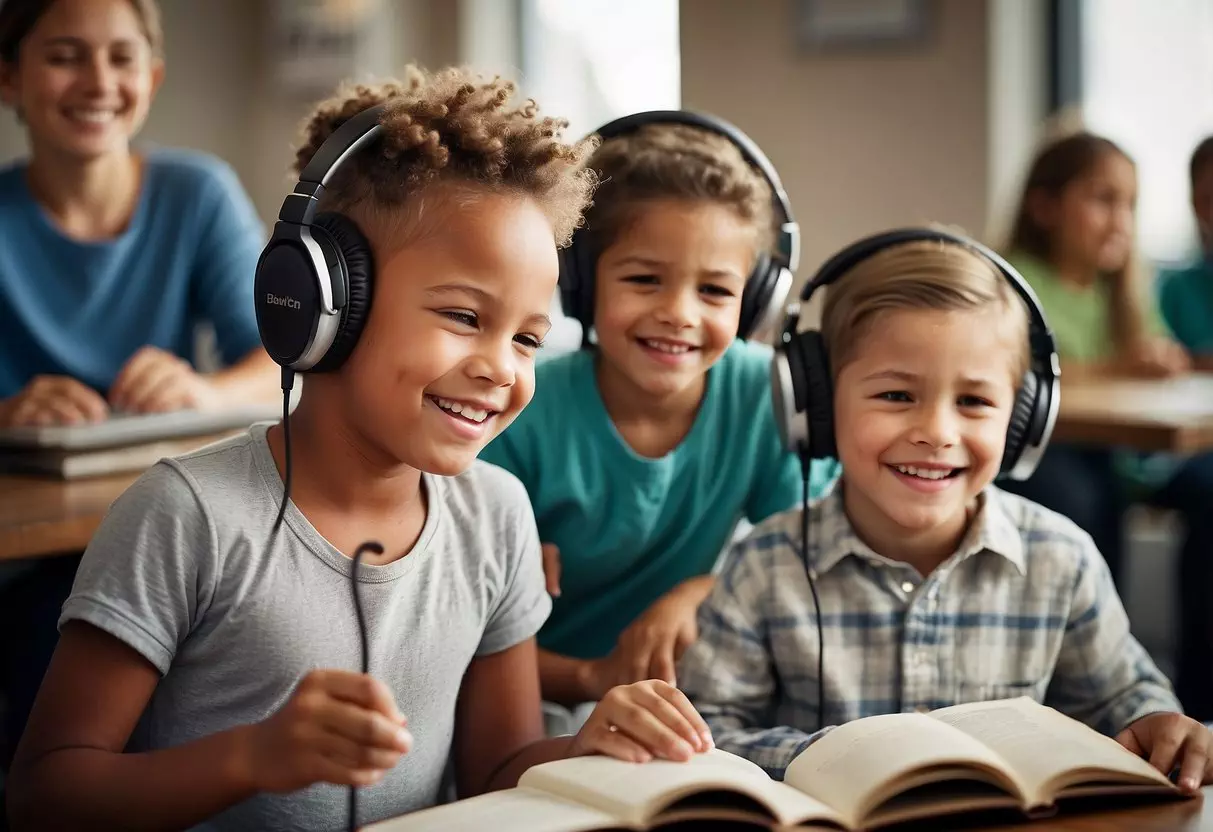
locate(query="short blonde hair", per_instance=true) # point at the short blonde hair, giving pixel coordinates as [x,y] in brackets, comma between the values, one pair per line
[917,275]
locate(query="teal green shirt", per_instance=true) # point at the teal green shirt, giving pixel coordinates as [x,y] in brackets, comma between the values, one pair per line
[1186,297]
[630,528]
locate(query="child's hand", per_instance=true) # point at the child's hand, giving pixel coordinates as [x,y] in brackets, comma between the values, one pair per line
[1168,740]
[551,568]
[641,721]
[653,643]
[156,381]
[338,727]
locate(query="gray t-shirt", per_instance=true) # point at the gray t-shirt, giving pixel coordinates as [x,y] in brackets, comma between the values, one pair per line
[179,571]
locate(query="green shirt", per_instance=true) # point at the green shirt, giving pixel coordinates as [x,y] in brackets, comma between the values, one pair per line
[631,528]
[1186,297]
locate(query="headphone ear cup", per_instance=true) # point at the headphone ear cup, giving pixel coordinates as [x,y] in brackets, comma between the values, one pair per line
[755,297]
[1022,415]
[348,253]
[818,395]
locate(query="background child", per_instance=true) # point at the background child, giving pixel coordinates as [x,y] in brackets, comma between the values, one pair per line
[641,454]
[1186,296]
[935,587]
[200,674]
[110,258]
[1073,240]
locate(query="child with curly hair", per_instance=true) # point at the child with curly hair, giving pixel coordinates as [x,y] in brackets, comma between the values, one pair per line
[642,453]
[199,680]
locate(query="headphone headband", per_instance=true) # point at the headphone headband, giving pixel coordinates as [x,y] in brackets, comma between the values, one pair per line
[300,205]
[788,244]
[1043,341]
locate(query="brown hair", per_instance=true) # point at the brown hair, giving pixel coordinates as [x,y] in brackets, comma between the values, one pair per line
[19,17]
[1202,156]
[1059,164]
[675,161]
[455,128]
[917,275]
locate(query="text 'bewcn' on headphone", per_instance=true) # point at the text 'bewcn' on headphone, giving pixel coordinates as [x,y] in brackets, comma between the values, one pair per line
[312,294]
[803,392]
[766,289]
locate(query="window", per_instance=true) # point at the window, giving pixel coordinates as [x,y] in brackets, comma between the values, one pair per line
[1147,83]
[592,61]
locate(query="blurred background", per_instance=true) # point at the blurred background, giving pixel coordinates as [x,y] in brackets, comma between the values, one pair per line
[876,112]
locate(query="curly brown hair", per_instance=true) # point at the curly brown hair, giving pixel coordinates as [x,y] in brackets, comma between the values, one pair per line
[675,161]
[19,17]
[455,128]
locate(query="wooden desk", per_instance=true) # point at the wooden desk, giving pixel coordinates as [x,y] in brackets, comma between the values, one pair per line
[1171,816]
[40,516]
[1148,415]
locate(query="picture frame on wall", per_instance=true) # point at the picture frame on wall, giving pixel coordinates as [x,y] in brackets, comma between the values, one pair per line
[825,25]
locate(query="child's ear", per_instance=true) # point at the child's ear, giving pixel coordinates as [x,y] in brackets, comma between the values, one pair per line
[8,85]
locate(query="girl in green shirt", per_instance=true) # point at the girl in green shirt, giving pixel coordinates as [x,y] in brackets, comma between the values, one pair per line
[1073,241]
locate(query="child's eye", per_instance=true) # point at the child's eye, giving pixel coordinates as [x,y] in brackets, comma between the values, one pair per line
[529,341]
[642,279]
[974,401]
[461,316]
[716,291]
[895,396]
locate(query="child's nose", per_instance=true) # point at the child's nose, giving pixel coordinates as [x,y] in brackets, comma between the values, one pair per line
[679,309]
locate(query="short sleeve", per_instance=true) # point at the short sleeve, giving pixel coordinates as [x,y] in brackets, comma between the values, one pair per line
[150,567]
[230,243]
[524,604]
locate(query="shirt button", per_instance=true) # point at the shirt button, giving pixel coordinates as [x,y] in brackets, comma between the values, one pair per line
[907,587]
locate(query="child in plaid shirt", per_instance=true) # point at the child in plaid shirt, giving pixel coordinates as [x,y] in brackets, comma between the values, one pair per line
[935,587]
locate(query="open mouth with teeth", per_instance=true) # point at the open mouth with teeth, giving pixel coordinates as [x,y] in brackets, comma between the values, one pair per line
[463,411]
[928,473]
[666,346]
[91,115]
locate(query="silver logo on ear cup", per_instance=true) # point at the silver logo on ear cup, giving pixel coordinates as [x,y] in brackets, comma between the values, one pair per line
[284,300]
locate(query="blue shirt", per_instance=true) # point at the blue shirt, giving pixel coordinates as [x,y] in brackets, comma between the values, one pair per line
[631,528]
[1186,298]
[81,309]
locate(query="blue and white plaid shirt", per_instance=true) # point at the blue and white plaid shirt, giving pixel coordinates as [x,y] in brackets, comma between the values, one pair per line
[1025,607]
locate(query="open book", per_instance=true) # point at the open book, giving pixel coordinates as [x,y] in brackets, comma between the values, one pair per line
[868,773]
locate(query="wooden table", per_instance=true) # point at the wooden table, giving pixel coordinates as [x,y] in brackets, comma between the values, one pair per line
[40,516]
[1148,415]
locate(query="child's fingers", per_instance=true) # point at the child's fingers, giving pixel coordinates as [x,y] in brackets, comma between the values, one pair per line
[355,755]
[678,700]
[330,771]
[637,661]
[615,743]
[1129,740]
[1195,759]
[1165,748]
[359,689]
[551,568]
[662,663]
[364,727]
[633,717]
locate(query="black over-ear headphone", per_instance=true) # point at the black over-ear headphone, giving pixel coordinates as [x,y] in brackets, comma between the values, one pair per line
[800,370]
[768,284]
[313,285]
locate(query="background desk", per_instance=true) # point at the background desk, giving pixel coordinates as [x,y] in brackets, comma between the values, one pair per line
[1149,415]
[40,516]
[1178,816]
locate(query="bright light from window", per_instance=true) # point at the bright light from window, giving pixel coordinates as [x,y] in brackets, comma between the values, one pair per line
[1148,78]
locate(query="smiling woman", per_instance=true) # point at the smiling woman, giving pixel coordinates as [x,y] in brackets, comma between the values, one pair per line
[110,259]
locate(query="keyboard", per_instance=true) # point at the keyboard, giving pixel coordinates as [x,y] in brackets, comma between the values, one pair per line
[136,428]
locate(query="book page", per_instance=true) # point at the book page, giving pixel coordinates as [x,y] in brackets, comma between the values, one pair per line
[1019,730]
[635,793]
[514,810]
[861,764]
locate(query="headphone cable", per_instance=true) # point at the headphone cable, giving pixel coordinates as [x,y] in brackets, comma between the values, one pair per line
[377,548]
[805,466]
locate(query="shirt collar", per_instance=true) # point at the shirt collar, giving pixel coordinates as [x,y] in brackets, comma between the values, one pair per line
[832,538]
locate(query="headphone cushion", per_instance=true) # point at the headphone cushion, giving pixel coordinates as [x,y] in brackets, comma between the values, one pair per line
[354,252]
[1022,416]
[755,296]
[818,394]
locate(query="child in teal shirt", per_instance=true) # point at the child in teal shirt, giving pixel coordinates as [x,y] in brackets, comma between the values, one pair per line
[1186,295]
[1073,242]
[641,454]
